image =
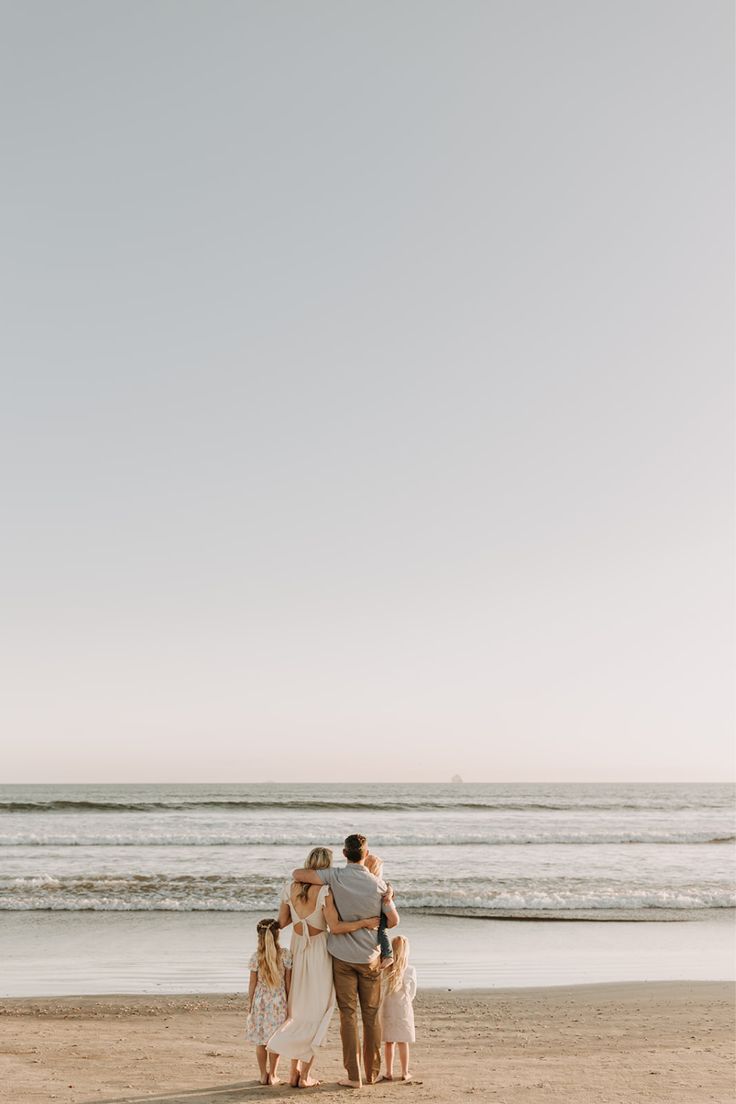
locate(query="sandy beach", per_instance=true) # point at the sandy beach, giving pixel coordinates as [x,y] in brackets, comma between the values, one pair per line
[591,1044]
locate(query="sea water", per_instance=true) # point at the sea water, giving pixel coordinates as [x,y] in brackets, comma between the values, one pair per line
[91,876]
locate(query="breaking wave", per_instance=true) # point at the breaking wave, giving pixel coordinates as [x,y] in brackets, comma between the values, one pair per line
[373,802]
[229,893]
[297,838]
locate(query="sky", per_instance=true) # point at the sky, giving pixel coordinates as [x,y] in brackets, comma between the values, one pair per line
[367,402]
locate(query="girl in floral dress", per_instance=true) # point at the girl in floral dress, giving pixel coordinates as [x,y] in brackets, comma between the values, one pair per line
[268,993]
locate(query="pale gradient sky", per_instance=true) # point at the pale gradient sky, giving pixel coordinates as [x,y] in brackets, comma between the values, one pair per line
[367,405]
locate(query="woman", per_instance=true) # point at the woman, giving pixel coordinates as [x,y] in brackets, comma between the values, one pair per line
[311,909]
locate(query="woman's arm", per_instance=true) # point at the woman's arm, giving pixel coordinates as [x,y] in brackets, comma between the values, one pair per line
[338,926]
[252,988]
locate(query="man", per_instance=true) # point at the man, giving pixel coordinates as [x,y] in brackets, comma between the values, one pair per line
[355,959]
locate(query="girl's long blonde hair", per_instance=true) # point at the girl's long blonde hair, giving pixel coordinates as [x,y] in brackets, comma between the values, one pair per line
[319,858]
[395,972]
[269,953]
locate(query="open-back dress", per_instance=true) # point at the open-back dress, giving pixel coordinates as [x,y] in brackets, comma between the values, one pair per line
[312,994]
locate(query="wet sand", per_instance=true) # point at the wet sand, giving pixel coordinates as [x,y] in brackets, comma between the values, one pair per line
[56,953]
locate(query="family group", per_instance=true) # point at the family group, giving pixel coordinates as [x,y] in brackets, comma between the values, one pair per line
[341,954]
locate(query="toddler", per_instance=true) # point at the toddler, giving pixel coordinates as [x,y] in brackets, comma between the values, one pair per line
[374,865]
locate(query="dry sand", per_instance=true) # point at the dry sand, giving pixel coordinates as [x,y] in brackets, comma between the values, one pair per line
[661,1041]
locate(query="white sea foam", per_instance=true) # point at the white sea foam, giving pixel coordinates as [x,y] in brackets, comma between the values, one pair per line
[230,893]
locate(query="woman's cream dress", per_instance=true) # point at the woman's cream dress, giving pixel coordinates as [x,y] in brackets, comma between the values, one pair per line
[312,994]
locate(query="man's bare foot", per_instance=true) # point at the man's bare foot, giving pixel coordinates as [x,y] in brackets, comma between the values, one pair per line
[308,1083]
[273,1079]
[346,1084]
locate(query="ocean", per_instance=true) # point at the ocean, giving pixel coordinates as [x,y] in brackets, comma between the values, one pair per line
[78,863]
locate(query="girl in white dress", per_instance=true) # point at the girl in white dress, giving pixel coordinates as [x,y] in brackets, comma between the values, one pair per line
[311,910]
[397,1010]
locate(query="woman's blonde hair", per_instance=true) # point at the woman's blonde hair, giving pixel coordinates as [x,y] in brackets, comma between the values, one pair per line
[395,972]
[269,953]
[319,858]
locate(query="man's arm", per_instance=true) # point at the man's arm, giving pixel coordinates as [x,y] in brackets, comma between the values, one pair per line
[311,876]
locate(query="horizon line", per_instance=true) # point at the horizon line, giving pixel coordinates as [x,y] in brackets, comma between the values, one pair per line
[393,782]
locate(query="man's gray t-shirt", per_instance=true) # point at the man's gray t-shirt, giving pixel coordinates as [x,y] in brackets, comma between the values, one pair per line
[357,896]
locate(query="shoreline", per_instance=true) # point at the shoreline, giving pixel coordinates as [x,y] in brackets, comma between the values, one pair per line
[664,1042]
[167,1001]
[598,915]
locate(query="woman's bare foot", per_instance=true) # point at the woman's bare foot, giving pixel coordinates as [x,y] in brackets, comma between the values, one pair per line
[263,1080]
[385,1077]
[407,1077]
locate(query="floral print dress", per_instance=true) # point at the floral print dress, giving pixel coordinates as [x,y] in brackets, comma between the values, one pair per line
[268,1011]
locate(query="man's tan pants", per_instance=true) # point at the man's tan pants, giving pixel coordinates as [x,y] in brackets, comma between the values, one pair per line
[359,981]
